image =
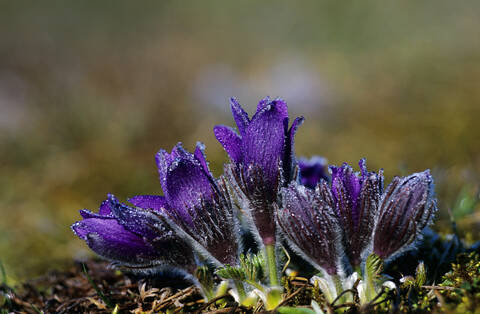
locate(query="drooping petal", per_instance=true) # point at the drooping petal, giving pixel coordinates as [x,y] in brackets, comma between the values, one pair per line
[311,227]
[407,207]
[134,238]
[312,171]
[155,202]
[107,238]
[230,141]
[239,115]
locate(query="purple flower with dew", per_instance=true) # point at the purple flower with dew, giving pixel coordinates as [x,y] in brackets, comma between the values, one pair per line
[310,225]
[407,207]
[194,218]
[312,171]
[197,205]
[127,236]
[356,197]
[262,159]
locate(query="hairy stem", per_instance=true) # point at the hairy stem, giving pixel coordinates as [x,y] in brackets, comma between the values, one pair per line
[338,287]
[271,264]
[240,289]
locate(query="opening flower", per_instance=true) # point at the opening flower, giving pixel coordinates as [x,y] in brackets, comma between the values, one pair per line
[126,236]
[262,159]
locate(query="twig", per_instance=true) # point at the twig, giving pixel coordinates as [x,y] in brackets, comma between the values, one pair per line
[341,295]
[440,298]
[336,307]
[440,288]
[290,297]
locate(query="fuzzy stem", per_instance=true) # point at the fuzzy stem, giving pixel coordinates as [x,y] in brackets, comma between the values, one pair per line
[358,270]
[271,264]
[370,289]
[240,289]
[209,294]
[338,287]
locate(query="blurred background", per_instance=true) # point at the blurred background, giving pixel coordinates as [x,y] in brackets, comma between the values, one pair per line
[90,91]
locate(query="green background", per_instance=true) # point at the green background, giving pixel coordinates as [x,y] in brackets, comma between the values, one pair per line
[90,91]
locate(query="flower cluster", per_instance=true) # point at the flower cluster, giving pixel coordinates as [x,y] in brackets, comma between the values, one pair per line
[334,219]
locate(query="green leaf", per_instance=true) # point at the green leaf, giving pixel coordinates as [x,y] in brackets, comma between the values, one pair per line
[253,266]
[273,298]
[229,272]
[251,269]
[294,310]
[421,274]
[373,268]
[373,265]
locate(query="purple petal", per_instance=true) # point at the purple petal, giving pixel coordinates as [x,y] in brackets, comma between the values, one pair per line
[359,238]
[163,160]
[105,209]
[312,171]
[230,141]
[240,116]
[134,220]
[356,197]
[264,140]
[311,227]
[184,177]
[199,155]
[213,226]
[280,105]
[289,150]
[262,104]
[346,188]
[155,202]
[407,207]
[186,185]
[111,240]
[256,197]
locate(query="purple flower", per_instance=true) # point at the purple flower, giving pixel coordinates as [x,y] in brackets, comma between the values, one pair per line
[194,216]
[407,207]
[262,159]
[312,171]
[197,205]
[310,225]
[356,197]
[128,237]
